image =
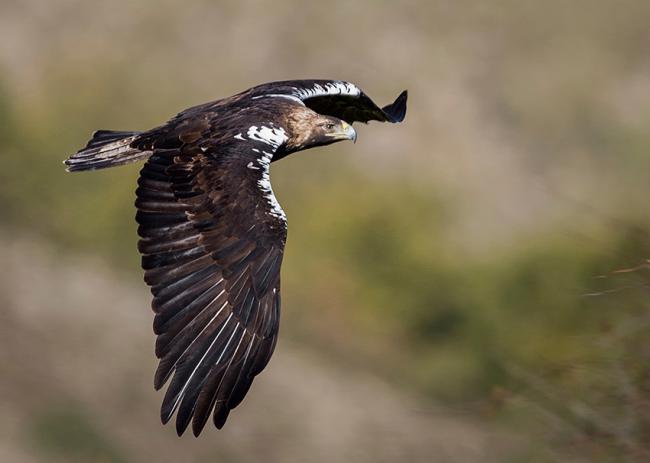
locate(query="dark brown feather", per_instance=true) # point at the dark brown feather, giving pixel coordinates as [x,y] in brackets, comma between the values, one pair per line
[213,262]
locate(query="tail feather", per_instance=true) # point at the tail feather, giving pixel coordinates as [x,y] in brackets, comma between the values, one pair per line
[107,148]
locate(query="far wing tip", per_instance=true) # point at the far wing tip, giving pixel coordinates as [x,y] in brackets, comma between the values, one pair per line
[396,111]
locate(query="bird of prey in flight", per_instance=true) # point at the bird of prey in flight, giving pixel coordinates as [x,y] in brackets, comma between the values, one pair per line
[212,233]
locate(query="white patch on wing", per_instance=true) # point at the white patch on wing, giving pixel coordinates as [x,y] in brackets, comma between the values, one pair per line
[279,95]
[336,87]
[273,136]
[267,191]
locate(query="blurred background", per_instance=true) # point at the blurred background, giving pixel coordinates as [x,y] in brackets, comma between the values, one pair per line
[469,286]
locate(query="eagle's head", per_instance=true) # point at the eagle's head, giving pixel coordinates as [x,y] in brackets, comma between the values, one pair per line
[308,129]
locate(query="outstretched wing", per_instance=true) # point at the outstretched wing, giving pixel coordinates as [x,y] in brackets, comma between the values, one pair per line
[336,98]
[212,240]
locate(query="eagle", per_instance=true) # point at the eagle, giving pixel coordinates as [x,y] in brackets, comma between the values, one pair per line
[212,233]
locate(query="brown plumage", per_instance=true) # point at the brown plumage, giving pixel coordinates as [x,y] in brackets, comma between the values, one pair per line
[212,234]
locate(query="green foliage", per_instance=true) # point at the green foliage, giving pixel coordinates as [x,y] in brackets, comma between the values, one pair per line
[71,434]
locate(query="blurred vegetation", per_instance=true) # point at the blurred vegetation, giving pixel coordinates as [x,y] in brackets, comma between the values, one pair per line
[480,265]
[70,434]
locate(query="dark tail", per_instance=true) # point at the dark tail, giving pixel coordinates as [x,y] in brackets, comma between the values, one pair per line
[107,148]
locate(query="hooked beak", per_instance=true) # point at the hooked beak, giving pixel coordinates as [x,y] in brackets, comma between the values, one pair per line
[344,132]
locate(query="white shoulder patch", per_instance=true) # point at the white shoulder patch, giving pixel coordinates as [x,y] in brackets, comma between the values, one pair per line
[265,186]
[337,87]
[273,136]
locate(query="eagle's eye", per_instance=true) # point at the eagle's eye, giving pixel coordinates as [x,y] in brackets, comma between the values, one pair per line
[329,126]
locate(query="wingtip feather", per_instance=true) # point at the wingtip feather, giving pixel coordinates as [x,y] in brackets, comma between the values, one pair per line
[396,111]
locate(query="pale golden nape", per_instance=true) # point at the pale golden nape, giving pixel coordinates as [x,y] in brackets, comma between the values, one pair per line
[305,126]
